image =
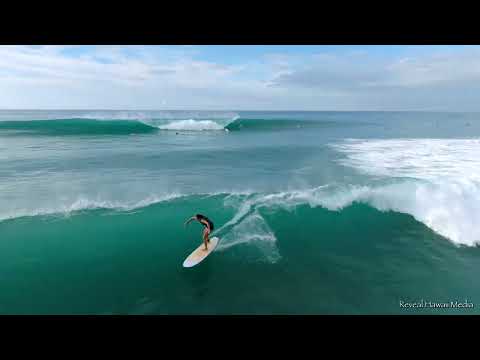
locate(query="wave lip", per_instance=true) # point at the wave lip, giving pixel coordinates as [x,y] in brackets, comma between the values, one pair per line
[445,191]
[82,204]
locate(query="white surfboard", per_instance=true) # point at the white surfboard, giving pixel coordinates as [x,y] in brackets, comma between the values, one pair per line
[199,254]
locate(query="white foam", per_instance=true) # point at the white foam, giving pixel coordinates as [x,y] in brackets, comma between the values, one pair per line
[120,115]
[450,209]
[446,193]
[82,203]
[428,159]
[67,206]
[192,125]
[252,229]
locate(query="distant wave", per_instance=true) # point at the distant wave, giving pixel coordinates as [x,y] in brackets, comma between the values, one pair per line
[98,124]
[65,127]
[245,124]
[105,126]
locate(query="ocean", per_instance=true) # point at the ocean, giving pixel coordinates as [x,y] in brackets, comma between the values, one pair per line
[317,212]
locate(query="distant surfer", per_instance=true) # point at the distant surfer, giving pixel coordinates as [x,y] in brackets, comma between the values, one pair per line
[208,227]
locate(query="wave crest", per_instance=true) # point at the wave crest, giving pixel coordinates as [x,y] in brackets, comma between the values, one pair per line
[82,203]
[450,209]
[192,125]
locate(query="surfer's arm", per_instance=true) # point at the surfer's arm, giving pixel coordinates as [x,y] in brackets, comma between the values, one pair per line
[190,220]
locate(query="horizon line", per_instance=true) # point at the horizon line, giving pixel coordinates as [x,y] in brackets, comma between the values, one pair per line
[217,110]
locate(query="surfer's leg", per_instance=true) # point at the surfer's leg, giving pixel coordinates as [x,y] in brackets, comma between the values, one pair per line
[205,238]
[206,234]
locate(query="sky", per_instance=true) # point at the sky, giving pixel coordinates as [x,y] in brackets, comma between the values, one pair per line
[343,78]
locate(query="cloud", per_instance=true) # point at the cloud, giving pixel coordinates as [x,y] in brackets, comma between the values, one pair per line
[439,69]
[153,77]
[113,76]
[51,64]
[362,71]
[443,80]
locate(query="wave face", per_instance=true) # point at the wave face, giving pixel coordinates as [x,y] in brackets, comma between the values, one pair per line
[135,255]
[246,124]
[241,219]
[67,127]
[248,217]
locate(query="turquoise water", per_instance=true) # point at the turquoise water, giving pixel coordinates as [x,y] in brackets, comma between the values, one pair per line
[317,212]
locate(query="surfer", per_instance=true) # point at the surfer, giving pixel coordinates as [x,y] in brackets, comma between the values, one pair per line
[208,227]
